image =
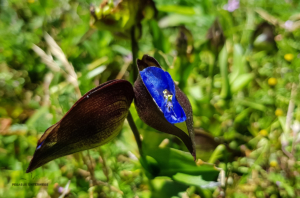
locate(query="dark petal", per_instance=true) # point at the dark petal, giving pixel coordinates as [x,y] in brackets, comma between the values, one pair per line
[149,112]
[147,61]
[93,120]
[187,108]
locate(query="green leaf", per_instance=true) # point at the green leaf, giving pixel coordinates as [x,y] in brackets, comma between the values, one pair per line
[282,120]
[165,187]
[241,81]
[253,105]
[242,116]
[218,153]
[180,19]
[238,59]
[226,93]
[158,39]
[192,180]
[39,120]
[96,71]
[282,182]
[178,9]
[238,66]
[120,49]
[172,161]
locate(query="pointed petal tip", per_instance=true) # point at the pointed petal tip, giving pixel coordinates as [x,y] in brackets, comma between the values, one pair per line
[30,166]
[28,170]
[194,155]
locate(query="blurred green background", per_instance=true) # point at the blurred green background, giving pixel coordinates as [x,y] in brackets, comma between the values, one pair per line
[237,61]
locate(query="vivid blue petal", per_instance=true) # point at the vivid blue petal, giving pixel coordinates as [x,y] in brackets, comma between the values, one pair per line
[157,81]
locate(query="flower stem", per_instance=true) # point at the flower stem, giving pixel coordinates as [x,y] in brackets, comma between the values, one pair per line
[134,74]
[135,133]
[134,50]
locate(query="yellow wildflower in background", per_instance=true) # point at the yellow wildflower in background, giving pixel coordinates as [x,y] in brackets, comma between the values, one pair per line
[272,81]
[273,163]
[263,132]
[278,112]
[289,57]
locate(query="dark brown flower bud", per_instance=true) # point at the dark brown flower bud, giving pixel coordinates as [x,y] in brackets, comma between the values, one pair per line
[263,38]
[215,36]
[161,104]
[95,119]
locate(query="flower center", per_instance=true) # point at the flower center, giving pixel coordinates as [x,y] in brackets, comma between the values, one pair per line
[168,98]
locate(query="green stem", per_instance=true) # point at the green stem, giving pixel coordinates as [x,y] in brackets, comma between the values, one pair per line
[135,133]
[134,50]
[134,75]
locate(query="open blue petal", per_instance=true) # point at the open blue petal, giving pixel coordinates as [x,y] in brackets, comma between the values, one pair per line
[157,81]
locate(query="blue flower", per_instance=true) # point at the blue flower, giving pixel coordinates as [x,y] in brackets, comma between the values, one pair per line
[162,89]
[161,104]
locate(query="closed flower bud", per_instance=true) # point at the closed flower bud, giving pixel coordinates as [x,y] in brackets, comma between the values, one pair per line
[161,104]
[119,17]
[94,119]
[263,38]
[215,36]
